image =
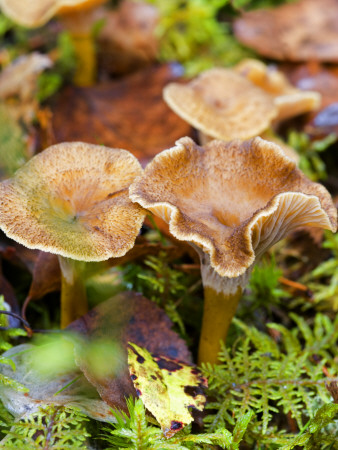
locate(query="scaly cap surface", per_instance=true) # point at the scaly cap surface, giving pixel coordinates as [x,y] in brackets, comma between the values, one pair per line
[72,200]
[233,200]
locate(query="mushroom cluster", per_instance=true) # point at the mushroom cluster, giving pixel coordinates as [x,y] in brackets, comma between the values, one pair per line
[230,201]
[78,16]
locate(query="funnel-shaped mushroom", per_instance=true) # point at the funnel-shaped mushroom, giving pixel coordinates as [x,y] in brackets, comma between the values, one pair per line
[231,201]
[78,17]
[72,200]
[222,104]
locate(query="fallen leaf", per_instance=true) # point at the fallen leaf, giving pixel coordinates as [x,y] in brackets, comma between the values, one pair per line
[46,275]
[167,387]
[129,113]
[17,254]
[298,31]
[127,317]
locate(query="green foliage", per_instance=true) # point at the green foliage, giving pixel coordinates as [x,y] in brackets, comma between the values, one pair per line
[12,144]
[323,280]
[133,431]
[256,4]
[5,344]
[54,427]
[159,282]
[309,151]
[273,378]
[264,287]
[315,436]
[51,81]
[190,33]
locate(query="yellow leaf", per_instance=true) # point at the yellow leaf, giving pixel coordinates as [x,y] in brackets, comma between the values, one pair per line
[167,387]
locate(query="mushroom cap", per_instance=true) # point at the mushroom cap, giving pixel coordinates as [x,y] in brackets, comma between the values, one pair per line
[72,200]
[305,30]
[222,104]
[34,13]
[21,72]
[233,200]
[289,100]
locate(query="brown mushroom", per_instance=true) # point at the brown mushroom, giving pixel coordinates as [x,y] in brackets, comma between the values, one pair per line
[231,201]
[222,104]
[289,100]
[19,79]
[305,30]
[72,200]
[78,17]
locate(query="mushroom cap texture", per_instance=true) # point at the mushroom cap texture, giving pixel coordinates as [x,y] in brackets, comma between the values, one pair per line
[233,200]
[72,200]
[34,13]
[223,104]
[305,30]
[290,101]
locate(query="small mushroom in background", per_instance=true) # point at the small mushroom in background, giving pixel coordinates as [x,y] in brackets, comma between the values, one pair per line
[221,104]
[78,17]
[239,103]
[305,30]
[19,79]
[231,202]
[290,101]
[72,200]
[127,41]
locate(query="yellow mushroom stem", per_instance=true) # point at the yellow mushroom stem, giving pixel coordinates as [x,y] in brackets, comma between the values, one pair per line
[79,24]
[85,54]
[221,297]
[219,309]
[73,291]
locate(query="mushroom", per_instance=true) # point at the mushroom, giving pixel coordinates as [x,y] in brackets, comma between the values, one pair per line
[290,101]
[72,200]
[222,104]
[304,30]
[78,17]
[231,202]
[127,41]
[20,79]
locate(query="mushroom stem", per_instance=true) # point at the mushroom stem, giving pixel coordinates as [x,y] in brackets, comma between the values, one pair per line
[85,53]
[73,291]
[221,297]
[219,309]
[80,27]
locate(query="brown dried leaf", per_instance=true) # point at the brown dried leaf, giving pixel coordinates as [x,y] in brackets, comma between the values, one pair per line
[46,276]
[299,31]
[127,317]
[128,113]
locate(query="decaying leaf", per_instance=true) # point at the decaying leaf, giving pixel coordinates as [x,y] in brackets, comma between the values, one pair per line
[167,387]
[126,317]
[304,30]
[129,113]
